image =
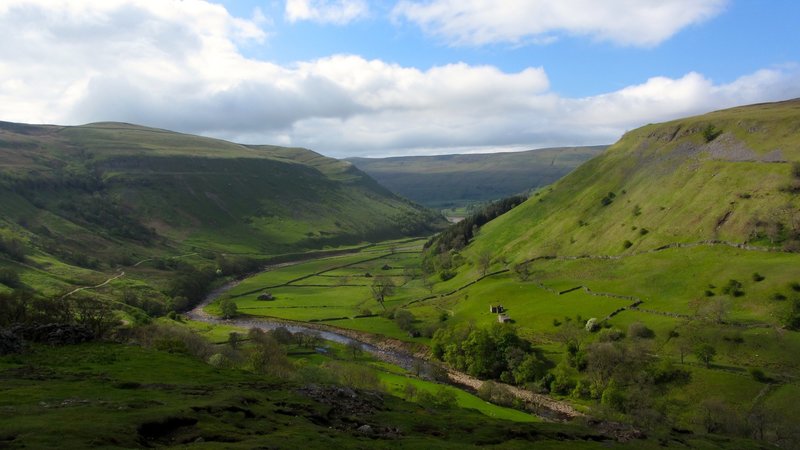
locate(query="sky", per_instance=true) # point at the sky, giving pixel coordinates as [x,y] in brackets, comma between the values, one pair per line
[394,77]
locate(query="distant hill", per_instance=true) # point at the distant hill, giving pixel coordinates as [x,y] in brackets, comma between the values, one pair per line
[94,196]
[448,181]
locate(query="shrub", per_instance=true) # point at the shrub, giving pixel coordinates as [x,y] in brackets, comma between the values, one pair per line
[446,275]
[608,199]
[282,335]
[709,293]
[14,248]
[711,132]
[9,277]
[778,296]
[643,231]
[758,375]
[591,325]
[758,277]
[443,398]
[792,319]
[610,335]
[640,331]
[404,320]
[733,288]
[174,339]
[495,393]
[627,244]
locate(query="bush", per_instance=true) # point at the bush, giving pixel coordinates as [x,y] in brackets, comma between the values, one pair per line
[733,288]
[778,296]
[592,325]
[353,375]
[495,393]
[639,330]
[610,335]
[447,275]
[758,375]
[14,248]
[627,244]
[608,199]
[174,339]
[792,319]
[758,277]
[711,132]
[404,320]
[443,398]
[9,277]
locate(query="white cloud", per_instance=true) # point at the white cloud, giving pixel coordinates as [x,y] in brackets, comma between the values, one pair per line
[176,65]
[339,12]
[627,22]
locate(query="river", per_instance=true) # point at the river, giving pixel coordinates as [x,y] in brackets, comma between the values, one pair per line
[387,350]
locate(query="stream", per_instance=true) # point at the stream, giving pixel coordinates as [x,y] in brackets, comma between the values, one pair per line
[542,405]
[404,360]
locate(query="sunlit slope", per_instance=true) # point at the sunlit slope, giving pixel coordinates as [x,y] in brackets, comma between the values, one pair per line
[728,175]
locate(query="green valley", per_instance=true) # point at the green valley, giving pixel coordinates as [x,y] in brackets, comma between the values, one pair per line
[458,181]
[650,298]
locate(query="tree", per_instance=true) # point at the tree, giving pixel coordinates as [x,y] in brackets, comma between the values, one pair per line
[705,352]
[484,262]
[381,288]
[354,348]
[269,357]
[404,319]
[228,308]
[234,339]
[522,270]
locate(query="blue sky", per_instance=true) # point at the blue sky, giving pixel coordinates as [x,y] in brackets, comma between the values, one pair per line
[394,77]
[747,35]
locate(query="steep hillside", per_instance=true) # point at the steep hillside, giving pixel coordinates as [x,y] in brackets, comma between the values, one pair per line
[100,195]
[729,175]
[677,249]
[448,181]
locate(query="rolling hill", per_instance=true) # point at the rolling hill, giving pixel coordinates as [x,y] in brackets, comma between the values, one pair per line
[448,181]
[81,199]
[729,175]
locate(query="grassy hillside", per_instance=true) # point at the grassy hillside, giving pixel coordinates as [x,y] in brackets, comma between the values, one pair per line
[81,203]
[123,396]
[727,175]
[449,181]
[679,244]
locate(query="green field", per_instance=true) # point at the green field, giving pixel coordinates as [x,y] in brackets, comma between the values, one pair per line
[110,395]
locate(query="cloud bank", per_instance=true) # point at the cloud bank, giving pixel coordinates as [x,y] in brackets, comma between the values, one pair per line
[176,65]
[642,23]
